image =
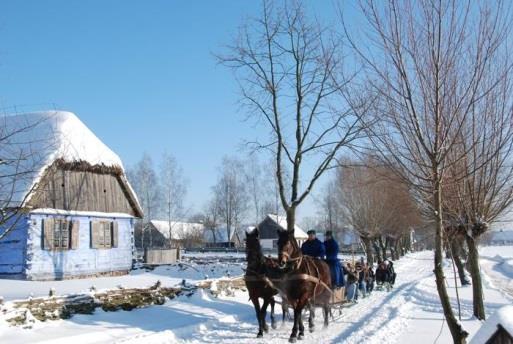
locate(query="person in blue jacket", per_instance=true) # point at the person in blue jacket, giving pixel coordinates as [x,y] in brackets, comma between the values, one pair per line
[313,247]
[331,246]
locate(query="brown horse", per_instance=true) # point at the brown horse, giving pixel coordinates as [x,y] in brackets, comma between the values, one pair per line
[307,282]
[258,285]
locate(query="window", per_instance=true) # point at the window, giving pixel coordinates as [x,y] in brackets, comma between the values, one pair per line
[104,234]
[61,235]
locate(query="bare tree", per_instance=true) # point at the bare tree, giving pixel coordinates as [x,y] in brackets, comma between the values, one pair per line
[255,184]
[174,189]
[426,61]
[145,182]
[22,157]
[482,188]
[213,215]
[377,204]
[292,79]
[232,194]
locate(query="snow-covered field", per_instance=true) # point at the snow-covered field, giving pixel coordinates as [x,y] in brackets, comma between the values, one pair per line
[409,313]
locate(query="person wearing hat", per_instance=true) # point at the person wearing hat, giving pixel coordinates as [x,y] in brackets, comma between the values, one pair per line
[331,247]
[313,247]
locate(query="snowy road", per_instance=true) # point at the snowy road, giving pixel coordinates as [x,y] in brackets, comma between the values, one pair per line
[409,313]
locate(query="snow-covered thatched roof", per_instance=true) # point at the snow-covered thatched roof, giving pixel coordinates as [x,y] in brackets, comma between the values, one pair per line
[281,221]
[32,142]
[503,317]
[178,230]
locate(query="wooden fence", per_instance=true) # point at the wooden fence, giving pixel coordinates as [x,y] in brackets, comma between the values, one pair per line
[163,256]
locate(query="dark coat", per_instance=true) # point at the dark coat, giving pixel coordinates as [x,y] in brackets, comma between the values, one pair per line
[331,247]
[313,248]
[337,277]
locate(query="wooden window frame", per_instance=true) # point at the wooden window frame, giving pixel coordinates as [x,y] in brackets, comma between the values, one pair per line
[61,242]
[104,234]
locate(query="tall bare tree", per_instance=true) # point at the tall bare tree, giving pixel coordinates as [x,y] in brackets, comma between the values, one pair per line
[482,190]
[232,194]
[174,189]
[427,62]
[292,80]
[145,182]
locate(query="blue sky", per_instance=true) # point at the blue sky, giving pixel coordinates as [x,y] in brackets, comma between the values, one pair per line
[140,74]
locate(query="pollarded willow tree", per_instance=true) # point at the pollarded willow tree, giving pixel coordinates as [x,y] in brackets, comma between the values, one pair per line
[482,191]
[291,74]
[428,61]
[377,204]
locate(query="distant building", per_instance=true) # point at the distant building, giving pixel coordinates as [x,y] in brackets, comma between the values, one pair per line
[269,228]
[74,211]
[499,237]
[218,238]
[182,234]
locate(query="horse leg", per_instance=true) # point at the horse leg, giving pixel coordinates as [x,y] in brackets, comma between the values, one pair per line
[256,304]
[301,334]
[327,312]
[311,318]
[263,313]
[297,315]
[273,321]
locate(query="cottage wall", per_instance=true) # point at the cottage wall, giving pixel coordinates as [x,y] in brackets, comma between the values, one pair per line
[45,264]
[13,246]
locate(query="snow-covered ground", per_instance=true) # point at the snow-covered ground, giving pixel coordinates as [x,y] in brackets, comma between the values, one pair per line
[409,313]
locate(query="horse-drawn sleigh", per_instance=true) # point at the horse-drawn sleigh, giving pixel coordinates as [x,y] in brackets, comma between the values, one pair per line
[301,281]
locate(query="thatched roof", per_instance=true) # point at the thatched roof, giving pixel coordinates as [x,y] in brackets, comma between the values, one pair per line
[34,142]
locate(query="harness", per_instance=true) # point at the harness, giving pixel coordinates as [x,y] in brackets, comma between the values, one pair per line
[258,277]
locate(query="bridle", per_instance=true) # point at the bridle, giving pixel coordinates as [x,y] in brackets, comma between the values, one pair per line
[297,260]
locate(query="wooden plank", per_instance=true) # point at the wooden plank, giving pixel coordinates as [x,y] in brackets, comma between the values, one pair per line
[115,234]
[95,234]
[48,234]
[75,226]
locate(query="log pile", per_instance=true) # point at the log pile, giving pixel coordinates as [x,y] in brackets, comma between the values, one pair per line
[63,307]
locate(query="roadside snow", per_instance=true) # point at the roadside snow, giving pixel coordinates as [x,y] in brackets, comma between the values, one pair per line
[409,313]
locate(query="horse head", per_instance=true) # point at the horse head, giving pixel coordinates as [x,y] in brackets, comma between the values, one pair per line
[286,247]
[253,248]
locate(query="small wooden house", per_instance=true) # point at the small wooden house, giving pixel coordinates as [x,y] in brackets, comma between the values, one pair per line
[218,238]
[178,234]
[497,329]
[269,228]
[74,207]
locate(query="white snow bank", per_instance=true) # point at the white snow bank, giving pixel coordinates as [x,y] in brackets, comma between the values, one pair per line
[504,317]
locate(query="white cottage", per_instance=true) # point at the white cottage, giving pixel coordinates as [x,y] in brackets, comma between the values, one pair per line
[269,228]
[74,207]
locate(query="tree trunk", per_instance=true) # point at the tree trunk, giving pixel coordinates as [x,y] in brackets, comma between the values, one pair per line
[383,247]
[379,257]
[368,250]
[291,222]
[456,256]
[458,334]
[475,274]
